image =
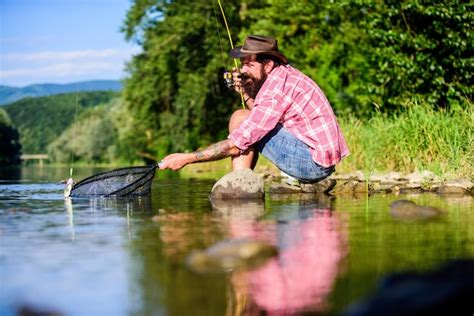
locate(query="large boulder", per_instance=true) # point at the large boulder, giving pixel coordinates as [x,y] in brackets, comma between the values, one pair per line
[240,184]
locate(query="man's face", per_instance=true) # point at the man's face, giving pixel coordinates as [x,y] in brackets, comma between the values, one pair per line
[254,74]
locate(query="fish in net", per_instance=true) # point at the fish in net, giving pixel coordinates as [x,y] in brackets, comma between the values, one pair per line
[131,181]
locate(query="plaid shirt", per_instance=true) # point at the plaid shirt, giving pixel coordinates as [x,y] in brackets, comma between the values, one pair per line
[291,98]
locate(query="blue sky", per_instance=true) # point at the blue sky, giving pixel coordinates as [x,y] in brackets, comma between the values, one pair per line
[62,41]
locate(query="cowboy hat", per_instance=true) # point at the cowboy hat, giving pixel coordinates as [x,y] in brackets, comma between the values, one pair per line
[256,44]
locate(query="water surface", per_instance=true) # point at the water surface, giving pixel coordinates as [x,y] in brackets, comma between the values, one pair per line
[127,256]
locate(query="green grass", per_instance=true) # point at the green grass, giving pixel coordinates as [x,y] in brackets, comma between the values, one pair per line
[419,138]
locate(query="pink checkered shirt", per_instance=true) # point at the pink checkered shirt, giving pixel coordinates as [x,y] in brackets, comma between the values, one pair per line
[291,98]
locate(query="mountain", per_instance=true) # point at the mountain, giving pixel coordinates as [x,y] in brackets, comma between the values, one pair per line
[41,120]
[11,94]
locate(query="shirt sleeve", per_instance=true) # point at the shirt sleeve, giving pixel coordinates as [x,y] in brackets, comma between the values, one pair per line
[269,107]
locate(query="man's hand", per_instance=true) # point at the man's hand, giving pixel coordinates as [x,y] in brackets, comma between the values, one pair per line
[176,161]
[216,151]
[237,78]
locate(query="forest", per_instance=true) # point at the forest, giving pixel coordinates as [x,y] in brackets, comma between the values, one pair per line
[397,73]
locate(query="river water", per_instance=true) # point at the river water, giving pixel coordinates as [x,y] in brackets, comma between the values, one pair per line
[127,256]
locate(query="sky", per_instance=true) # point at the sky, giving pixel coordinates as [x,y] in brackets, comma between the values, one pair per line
[62,41]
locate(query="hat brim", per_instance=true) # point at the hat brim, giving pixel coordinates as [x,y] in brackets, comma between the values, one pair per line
[238,53]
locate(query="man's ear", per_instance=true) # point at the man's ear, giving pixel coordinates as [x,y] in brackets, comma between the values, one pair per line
[268,66]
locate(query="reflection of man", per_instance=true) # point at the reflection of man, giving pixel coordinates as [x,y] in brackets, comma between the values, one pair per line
[300,279]
[289,120]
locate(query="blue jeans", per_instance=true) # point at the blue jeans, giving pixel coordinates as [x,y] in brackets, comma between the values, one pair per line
[291,155]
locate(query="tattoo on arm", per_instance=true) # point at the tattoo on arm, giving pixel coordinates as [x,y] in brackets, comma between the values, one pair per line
[216,151]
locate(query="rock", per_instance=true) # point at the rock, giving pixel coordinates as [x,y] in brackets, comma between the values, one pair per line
[344,187]
[284,188]
[420,176]
[393,176]
[377,177]
[462,183]
[384,188]
[357,176]
[411,188]
[323,186]
[409,211]
[226,256]
[451,189]
[362,188]
[240,184]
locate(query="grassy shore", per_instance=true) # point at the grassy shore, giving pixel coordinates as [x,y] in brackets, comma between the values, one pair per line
[417,139]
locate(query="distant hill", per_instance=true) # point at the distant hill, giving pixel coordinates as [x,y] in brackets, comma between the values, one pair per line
[41,120]
[11,94]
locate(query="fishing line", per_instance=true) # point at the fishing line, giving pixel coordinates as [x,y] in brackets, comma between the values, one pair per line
[73,131]
[231,46]
[219,34]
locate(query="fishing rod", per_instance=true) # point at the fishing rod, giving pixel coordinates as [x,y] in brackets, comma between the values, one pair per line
[227,74]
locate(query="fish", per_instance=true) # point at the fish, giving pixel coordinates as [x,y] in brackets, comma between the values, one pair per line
[69,185]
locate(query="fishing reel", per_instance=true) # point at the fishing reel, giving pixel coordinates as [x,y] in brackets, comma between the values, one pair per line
[228,80]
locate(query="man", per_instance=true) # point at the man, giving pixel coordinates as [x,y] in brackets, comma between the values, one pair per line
[289,119]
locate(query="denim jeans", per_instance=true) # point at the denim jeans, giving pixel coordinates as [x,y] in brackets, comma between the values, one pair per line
[291,155]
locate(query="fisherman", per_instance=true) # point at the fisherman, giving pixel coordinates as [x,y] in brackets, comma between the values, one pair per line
[288,120]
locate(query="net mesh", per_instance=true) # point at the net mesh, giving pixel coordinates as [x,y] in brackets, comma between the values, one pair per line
[119,182]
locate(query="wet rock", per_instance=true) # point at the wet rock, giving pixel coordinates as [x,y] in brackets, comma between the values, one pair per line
[409,211]
[384,188]
[284,188]
[344,187]
[226,256]
[240,184]
[323,186]
[456,187]
[451,189]
[363,188]
[411,188]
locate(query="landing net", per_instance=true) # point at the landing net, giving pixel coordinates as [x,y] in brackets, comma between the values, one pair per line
[120,182]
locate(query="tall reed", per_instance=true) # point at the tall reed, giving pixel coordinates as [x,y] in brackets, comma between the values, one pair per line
[419,138]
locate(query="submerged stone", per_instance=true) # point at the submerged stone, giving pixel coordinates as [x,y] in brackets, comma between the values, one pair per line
[409,211]
[240,184]
[226,256]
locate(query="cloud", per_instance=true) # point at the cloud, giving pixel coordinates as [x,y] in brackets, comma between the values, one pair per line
[70,55]
[63,66]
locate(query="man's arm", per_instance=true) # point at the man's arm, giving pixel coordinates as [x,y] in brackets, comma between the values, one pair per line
[216,151]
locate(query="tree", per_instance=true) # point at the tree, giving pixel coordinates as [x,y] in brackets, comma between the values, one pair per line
[10,148]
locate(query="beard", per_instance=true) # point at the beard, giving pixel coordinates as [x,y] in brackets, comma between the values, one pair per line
[252,85]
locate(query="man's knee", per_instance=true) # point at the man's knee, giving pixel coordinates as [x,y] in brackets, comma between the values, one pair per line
[237,118]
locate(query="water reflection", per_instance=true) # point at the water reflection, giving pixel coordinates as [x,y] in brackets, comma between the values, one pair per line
[312,242]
